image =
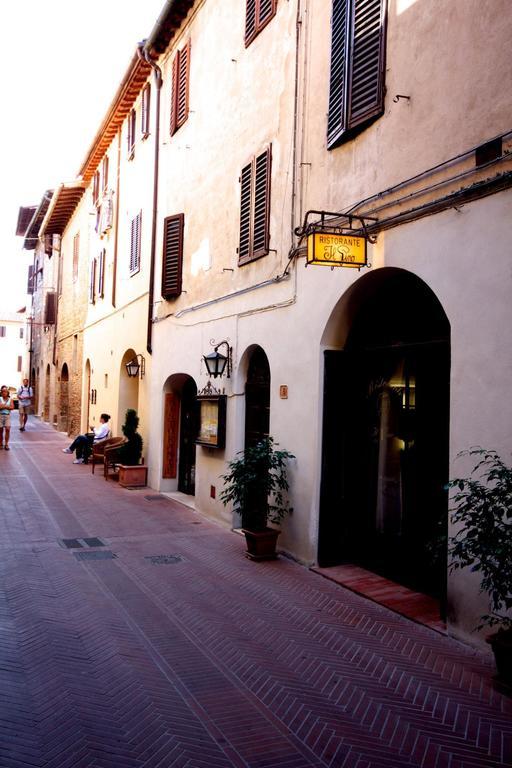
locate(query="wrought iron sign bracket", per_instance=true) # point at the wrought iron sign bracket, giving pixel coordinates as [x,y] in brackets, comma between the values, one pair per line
[333,223]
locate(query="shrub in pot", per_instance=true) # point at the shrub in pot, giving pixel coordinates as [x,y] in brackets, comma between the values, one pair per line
[256,484]
[131,451]
[482,512]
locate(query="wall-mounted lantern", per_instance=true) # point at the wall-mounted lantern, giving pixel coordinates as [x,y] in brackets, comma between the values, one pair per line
[216,363]
[133,367]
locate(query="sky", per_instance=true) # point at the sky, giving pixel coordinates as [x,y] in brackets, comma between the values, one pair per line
[61,62]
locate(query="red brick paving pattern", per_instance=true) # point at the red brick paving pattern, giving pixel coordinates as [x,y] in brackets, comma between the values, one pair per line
[211,661]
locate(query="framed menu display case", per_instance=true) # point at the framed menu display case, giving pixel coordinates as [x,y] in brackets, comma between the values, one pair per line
[212,420]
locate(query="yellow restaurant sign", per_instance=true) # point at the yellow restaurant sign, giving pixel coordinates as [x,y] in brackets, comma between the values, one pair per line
[336,250]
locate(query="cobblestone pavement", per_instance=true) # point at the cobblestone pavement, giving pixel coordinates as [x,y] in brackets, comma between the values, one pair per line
[200,658]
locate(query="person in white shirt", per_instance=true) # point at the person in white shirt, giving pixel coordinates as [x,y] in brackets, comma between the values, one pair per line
[25,395]
[82,443]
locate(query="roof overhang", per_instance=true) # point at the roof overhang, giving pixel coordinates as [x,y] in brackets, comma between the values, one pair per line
[63,204]
[25,215]
[32,231]
[171,18]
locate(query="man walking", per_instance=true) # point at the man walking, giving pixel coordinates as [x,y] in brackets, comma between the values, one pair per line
[25,395]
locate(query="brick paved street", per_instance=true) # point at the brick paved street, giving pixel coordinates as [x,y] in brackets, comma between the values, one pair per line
[205,659]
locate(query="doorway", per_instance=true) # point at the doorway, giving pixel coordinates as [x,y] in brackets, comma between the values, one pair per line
[64,399]
[257,398]
[189,428]
[385,436]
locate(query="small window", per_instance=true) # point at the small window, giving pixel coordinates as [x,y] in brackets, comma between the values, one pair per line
[76,255]
[179,90]
[21,333]
[3,330]
[146,100]
[101,274]
[19,363]
[30,280]
[96,188]
[172,261]
[358,50]
[135,244]
[132,122]
[50,310]
[255,208]
[104,175]
[257,15]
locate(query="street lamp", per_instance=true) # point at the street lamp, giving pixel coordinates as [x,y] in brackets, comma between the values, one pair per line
[216,362]
[133,367]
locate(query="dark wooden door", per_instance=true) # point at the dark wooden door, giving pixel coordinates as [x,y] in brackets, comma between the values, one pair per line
[257,399]
[189,428]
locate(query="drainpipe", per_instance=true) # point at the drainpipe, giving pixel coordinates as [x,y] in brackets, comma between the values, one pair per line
[144,55]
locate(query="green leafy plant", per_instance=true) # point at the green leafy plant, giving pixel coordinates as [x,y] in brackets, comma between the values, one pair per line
[256,484]
[131,451]
[483,513]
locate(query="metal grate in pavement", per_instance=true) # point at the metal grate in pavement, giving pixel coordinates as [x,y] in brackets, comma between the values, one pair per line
[154,497]
[104,554]
[92,541]
[164,559]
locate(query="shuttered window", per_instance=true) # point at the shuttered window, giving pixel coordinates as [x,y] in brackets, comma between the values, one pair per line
[146,99]
[92,282]
[104,175]
[358,47]
[255,208]
[179,88]
[50,309]
[101,274]
[172,261]
[30,280]
[76,255]
[257,15]
[135,243]
[131,134]
[96,188]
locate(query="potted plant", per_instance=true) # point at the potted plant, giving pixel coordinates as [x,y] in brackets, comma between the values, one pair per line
[256,484]
[483,513]
[131,472]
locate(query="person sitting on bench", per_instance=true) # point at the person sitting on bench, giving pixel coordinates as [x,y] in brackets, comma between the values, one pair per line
[82,444]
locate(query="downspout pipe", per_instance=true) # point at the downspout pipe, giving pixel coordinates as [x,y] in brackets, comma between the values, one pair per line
[144,55]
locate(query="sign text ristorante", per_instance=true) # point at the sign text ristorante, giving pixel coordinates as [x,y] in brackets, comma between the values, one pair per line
[336,250]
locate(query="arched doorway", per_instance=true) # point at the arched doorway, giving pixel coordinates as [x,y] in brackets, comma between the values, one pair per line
[64,399]
[128,388]
[87,394]
[46,408]
[385,435]
[257,398]
[34,383]
[180,430]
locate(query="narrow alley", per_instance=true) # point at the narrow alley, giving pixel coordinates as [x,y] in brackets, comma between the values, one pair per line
[150,640]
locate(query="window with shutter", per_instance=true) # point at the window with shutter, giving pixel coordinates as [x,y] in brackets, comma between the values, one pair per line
[50,307]
[96,188]
[104,175]
[179,88]
[30,280]
[358,48]
[172,261]
[255,208]
[146,99]
[257,15]
[3,330]
[76,255]
[135,244]
[92,282]
[101,274]
[131,134]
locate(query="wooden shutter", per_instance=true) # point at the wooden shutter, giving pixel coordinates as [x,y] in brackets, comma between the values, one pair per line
[30,280]
[368,49]
[76,255]
[257,14]
[135,243]
[146,99]
[101,274]
[171,432]
[49,311]
[92,282]
[131,133]
[356,92]
[180,86]
[104,175]
[255,208]
[96,187]
[261,204]
[244,250]
[172,262]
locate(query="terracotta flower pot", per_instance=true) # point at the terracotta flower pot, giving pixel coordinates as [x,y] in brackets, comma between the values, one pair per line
[501,644]
[261,545]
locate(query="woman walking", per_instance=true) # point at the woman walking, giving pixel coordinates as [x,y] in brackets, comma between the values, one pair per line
[6,406]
